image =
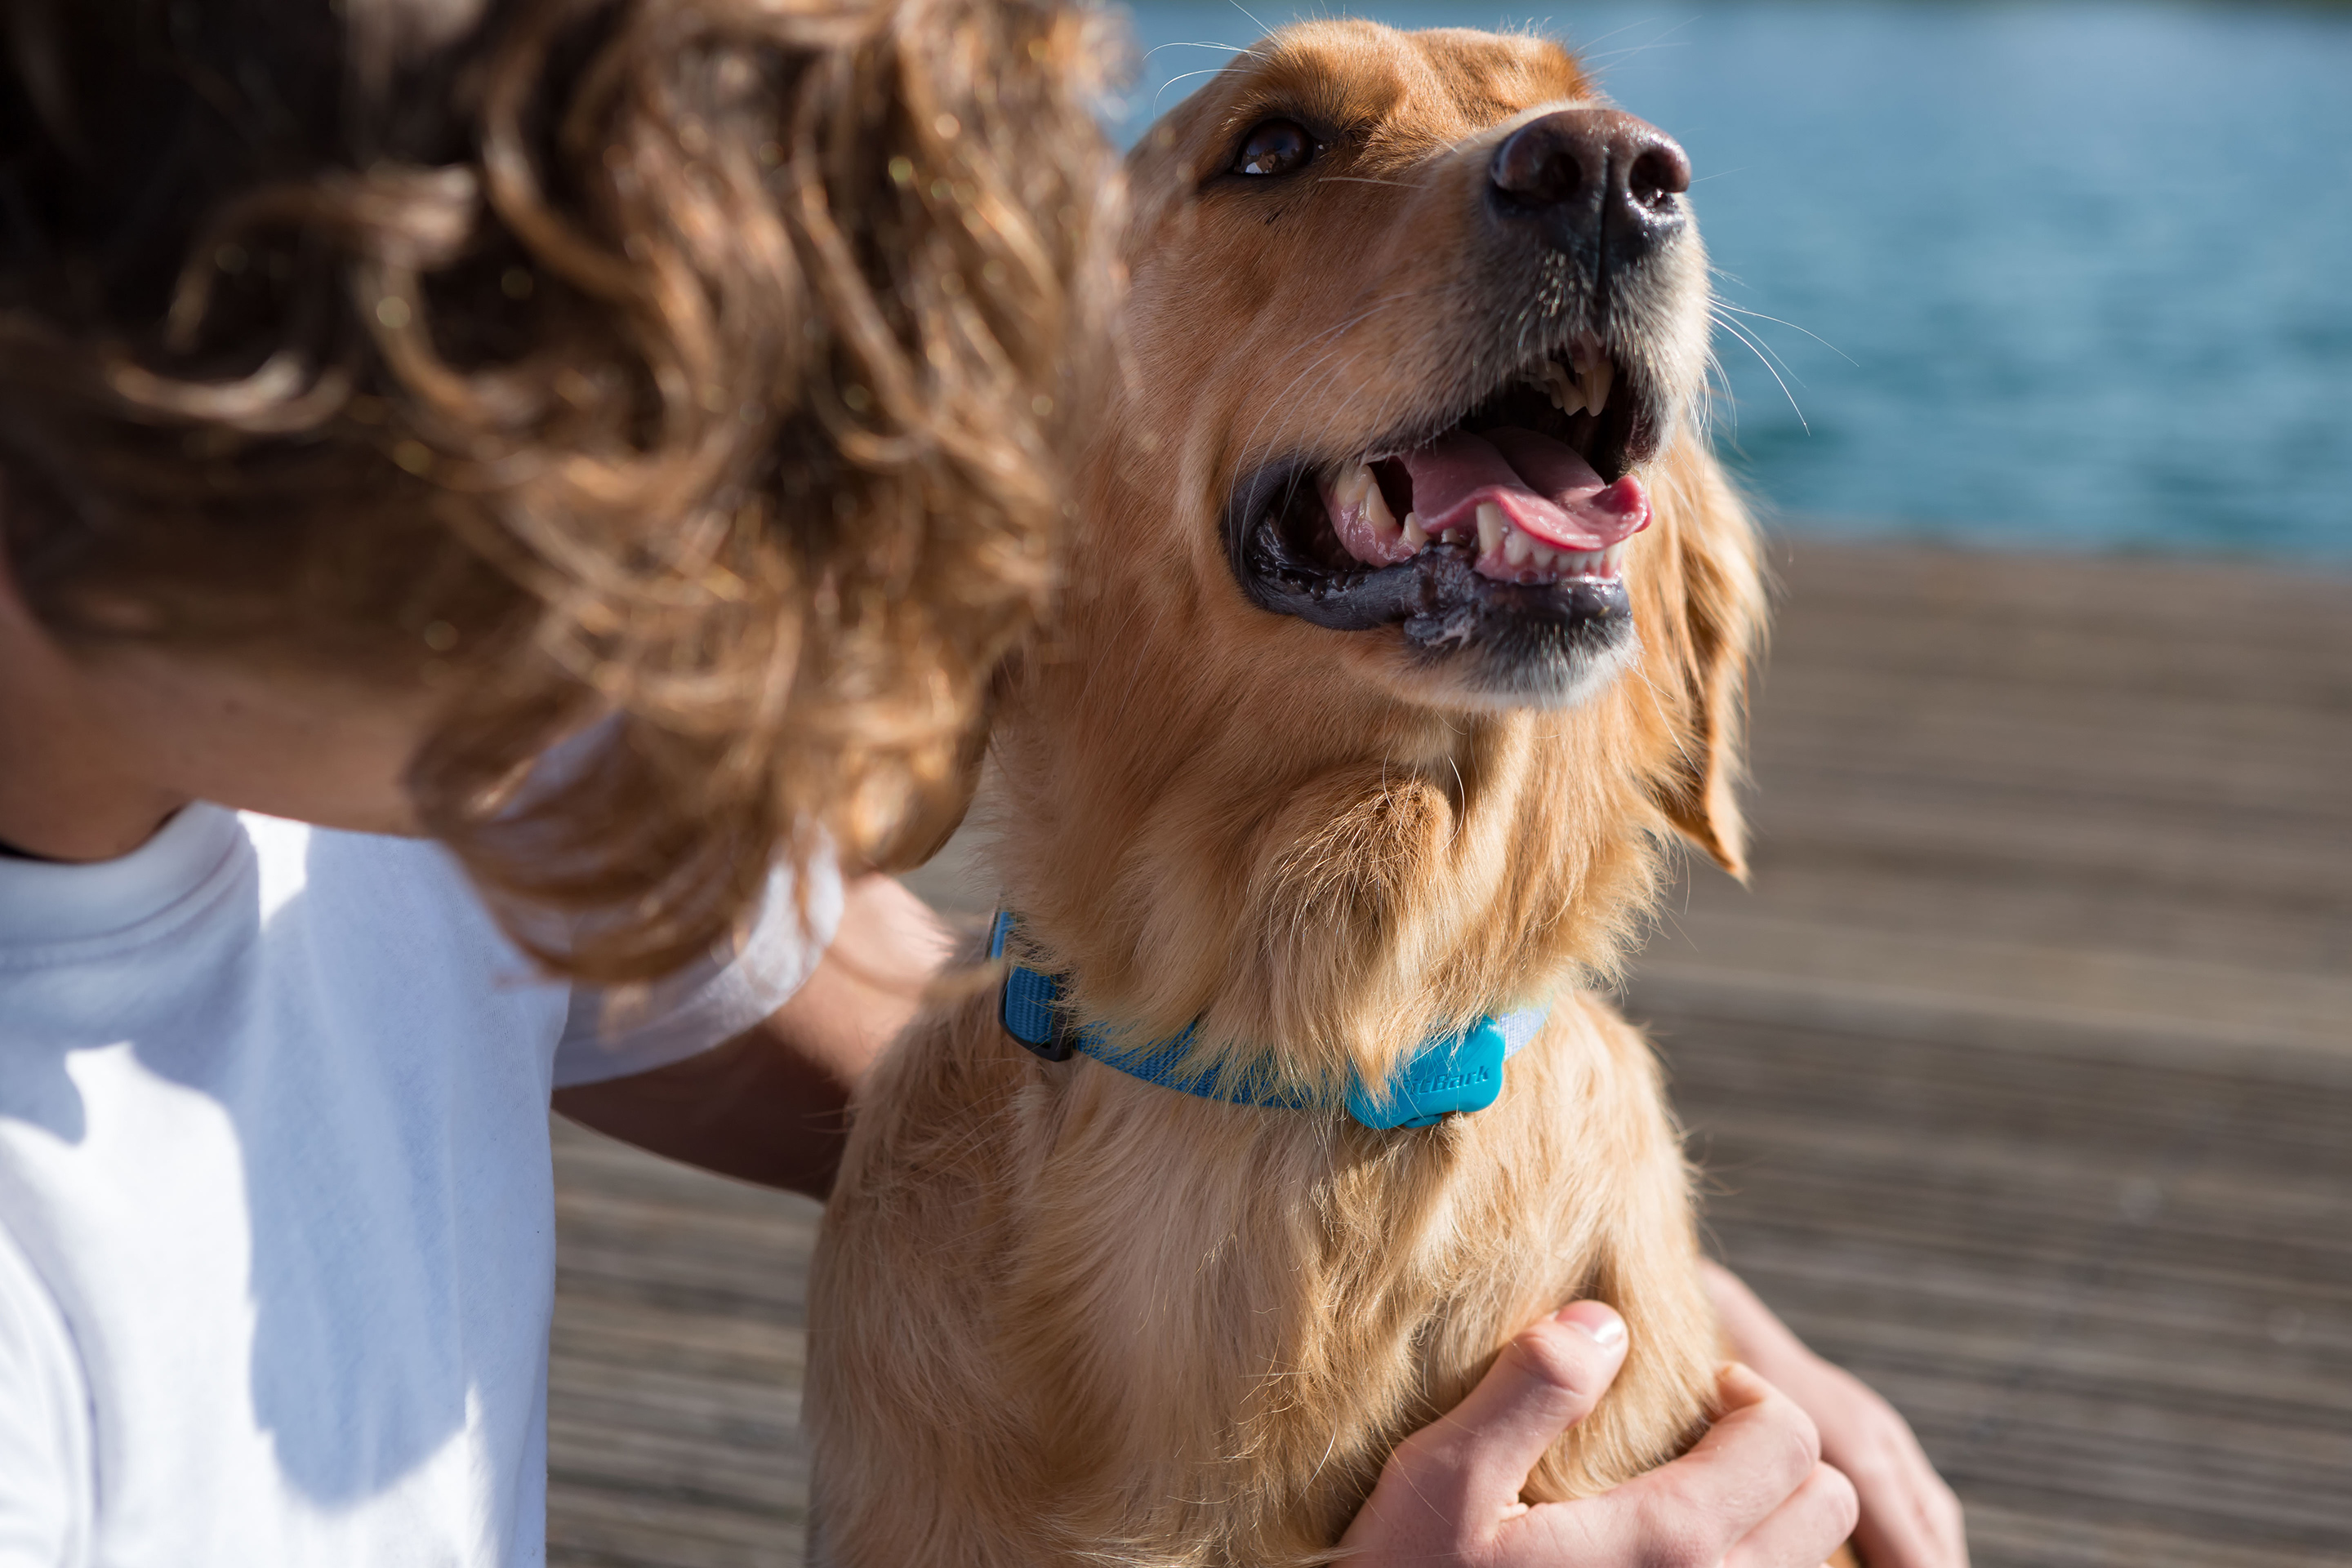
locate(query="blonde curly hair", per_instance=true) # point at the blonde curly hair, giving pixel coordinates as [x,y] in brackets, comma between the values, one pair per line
[685,379]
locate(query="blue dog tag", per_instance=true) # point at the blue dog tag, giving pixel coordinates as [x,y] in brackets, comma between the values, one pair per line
[1464,1073]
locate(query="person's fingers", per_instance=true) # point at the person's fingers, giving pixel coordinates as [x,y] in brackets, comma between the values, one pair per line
[1910,1519]
[1473,1460]
[1760,1452]
[1757,1466]
[1761,1432]
[1803,1530]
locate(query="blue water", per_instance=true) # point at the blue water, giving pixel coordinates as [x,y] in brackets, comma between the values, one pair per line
[2081,274]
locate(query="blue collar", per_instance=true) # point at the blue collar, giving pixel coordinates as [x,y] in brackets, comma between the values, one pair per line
[1450,1072]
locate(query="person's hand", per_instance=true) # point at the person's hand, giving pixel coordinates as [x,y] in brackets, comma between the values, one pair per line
[1909,1517]
[1751,1494]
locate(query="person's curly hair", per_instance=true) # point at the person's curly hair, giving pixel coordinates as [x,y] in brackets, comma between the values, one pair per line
[686,378]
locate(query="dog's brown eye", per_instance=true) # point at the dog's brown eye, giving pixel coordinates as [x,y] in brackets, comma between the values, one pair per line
[1276,147]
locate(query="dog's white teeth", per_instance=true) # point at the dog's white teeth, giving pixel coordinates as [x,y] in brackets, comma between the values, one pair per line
[1593,377]
[1490,527]
[1415,536]
[1597,379]
[1359,492]
[1350,491]
[1615,556]
[1565,395]
[1517,548]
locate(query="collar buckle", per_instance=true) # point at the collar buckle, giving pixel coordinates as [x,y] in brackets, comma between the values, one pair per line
[1030,1006]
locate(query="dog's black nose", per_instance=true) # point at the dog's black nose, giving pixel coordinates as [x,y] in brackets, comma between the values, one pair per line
[1597,183]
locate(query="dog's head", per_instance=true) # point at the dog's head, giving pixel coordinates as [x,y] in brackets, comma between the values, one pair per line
[1417,349]
[1444,310]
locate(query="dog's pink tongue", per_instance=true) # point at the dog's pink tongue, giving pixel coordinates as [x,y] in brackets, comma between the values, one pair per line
[1540,484]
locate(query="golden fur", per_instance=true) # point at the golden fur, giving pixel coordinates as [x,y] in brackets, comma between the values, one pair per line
[1063,1316]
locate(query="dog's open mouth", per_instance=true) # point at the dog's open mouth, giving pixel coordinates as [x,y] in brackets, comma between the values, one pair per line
[1530,504]
[1520,509]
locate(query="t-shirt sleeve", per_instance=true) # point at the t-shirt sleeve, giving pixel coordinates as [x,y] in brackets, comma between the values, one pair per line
[609,1034]
[46,1479]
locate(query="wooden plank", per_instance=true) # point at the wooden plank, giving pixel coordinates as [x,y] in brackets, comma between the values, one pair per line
[2021,1076]
[2021,1071]
[674,1373]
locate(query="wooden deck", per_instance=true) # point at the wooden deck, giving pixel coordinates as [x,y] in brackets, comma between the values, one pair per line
[2023,1077]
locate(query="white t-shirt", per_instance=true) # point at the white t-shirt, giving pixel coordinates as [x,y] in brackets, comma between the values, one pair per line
[276,1222]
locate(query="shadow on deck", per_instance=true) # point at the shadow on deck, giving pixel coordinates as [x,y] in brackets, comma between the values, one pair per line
[2023,1079]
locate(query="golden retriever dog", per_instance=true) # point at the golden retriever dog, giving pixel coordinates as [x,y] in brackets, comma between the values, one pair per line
[1407,625]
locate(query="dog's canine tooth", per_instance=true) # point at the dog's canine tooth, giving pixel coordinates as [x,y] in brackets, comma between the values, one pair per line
[1415,535]
[1350,491]
[1490,527]
[1565,395]
[1615,556]
[1375,505]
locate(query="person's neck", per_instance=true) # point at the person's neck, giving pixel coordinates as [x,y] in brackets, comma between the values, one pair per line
[71,787]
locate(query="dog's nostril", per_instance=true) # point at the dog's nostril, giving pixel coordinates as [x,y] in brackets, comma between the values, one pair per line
[1660,173]
[1539,166]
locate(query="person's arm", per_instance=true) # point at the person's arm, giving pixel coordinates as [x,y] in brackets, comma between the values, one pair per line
[1752,1493]
[1909,1517]
[770,1106]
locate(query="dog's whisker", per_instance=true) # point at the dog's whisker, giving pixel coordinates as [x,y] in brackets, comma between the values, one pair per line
[1172,82]
[1725,305]
[1767,364]
[1245,10]
[1192,44]
[1762,349]
[1584,52]
[1367,180]
[1757,339]
[1714,389]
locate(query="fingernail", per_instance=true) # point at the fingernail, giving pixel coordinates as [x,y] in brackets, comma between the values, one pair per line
[1597,1321]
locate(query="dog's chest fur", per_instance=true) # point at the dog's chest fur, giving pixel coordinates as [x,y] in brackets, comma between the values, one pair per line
[1062,1313]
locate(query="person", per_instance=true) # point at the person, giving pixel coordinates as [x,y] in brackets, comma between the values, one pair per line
[509,512]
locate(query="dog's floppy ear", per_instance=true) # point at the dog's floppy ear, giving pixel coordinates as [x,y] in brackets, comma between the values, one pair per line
[1706,624]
